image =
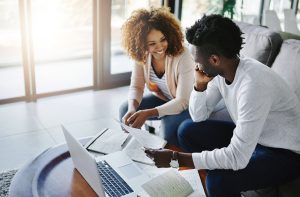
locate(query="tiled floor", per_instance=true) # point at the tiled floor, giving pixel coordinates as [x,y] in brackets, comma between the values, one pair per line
[27,129]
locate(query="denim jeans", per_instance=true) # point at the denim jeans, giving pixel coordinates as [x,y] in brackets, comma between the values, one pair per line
[267,166]
[169,124]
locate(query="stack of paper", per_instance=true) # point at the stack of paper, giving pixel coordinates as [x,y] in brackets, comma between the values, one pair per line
[107,141]
[192,176]
[174,183]
[112,140]
[168,184]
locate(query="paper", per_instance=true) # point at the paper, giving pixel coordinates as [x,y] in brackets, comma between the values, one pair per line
[108,141]
[146,139]
[138,156]
[168,184]
[192,176]
[135,152]
[153,171]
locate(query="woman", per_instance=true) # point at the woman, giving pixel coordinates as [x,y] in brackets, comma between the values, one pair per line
[153,39]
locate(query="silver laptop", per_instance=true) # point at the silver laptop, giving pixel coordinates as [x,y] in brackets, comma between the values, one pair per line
[110,175]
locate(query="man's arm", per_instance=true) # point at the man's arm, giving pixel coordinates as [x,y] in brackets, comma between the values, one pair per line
[202,103]
[163,157]
[185,160]
[254,104]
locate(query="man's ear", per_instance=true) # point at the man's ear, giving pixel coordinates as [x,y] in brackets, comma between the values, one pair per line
[214,60]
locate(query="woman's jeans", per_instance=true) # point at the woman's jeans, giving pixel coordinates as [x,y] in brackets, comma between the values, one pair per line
[267,166]
[169,124]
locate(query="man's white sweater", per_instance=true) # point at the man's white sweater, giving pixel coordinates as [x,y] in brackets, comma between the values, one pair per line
[264,108]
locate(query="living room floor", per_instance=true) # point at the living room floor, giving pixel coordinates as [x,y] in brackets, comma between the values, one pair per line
[27,129]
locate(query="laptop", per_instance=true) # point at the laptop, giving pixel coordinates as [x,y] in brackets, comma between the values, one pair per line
[114,174]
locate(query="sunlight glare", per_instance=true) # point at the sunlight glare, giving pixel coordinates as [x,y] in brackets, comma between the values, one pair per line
[47,23]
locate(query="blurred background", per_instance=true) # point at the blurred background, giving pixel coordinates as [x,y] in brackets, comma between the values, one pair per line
[56,47]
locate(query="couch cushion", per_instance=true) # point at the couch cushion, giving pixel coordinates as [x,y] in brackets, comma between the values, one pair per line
[287,35]
[261,43]
[287,64]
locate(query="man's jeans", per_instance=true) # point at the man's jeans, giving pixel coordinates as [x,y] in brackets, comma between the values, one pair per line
[267,166]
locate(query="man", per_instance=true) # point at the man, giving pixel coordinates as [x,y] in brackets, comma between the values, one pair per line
[261,147]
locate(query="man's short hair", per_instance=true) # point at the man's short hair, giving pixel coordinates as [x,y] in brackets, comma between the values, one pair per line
[215,34]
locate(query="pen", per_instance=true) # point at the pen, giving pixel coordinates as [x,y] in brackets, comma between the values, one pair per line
[126,141]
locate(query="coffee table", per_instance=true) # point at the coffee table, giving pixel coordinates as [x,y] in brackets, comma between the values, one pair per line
[52,174]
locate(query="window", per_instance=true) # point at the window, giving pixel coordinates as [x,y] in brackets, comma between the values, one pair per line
[248,11]
[11,70]
[62,46]
[62,34]
[121,10]
[194,10]
[298,14]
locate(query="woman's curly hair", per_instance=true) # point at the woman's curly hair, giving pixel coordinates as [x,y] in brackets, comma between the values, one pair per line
[141,22]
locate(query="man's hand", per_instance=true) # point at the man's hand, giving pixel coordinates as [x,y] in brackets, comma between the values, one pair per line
[201,79]
[161,157]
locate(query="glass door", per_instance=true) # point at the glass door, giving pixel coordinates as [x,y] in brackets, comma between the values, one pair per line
[194,10]
[62,38]
[11,70]
[62,46]
[118,67]
[120,11]
[278,6]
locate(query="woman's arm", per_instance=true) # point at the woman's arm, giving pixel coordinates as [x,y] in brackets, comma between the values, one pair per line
[183,77]
[136,91]
[137,83]
[132,107]
[138,118]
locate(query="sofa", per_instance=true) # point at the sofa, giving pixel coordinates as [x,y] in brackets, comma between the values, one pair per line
[283,56]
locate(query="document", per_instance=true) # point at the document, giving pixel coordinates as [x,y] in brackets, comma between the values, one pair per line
[192,176]
[134,150]
[108,141]
[112,140]
[146,139]
[168,184]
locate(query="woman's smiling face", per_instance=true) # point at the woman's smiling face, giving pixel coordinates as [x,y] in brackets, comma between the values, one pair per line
[157,44]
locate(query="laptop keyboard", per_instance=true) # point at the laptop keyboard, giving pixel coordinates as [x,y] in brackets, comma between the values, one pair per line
[113,184]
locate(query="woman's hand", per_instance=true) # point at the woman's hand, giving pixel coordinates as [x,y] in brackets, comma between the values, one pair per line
[127,116]
[137,119]
[132,106]
[161,157]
